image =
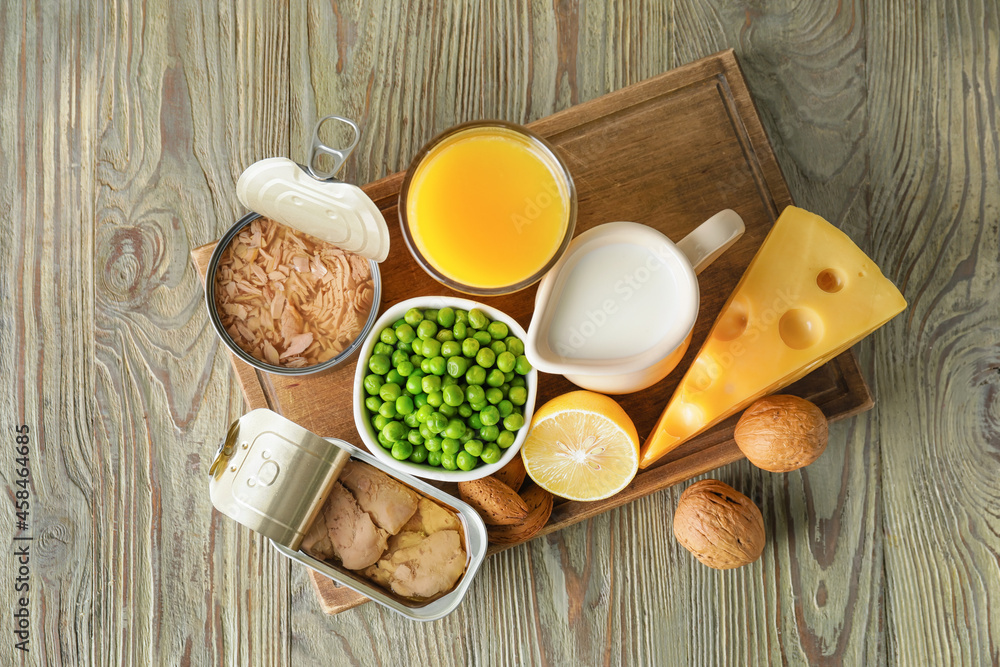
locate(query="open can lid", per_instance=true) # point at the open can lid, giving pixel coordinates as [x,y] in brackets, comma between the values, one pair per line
[272,475]
[313,202]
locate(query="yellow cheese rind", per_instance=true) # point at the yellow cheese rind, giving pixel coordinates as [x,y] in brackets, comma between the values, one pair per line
[809,294]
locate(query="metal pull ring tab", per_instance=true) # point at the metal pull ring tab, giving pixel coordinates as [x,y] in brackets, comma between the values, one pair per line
[339,155]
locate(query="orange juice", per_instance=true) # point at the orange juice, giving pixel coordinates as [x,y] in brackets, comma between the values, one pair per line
[488,207]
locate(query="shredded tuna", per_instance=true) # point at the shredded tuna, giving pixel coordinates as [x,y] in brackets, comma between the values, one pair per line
[289,299]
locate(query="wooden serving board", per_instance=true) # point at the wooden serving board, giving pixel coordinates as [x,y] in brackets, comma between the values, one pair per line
[668,152]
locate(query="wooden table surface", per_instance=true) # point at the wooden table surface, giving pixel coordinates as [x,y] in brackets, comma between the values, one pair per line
[123,127]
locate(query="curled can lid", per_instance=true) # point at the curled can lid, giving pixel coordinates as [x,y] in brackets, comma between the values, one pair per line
[311,201]
[272,475]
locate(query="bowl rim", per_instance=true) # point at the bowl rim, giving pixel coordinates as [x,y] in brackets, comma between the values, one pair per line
[364,428]
[243,355]
[546,148]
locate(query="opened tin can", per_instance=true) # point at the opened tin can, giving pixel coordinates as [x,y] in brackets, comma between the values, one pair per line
[273,476]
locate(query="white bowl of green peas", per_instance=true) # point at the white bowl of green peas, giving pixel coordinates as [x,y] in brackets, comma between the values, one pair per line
[443,390]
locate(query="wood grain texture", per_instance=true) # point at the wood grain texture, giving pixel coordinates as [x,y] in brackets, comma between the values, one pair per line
[122,129]
[935,225]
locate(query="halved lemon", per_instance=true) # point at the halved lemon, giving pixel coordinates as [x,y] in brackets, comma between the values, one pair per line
[581,446]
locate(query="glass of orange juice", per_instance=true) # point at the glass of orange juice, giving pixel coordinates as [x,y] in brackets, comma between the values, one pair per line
[487,207]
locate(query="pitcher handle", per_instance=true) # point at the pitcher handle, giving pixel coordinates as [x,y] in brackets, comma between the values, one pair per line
[711,238]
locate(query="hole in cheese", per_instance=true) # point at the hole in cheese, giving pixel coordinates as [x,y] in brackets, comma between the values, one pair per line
[830,280]
[734,322]
[800,328]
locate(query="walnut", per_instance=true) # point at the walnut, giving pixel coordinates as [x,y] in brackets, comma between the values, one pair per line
[782,433]
[719,525]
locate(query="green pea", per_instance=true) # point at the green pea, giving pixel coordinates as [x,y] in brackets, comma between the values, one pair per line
[514,345]
[373,383]
[455,429]
[493,395]
[447,410]
[430,348]
[489,433]
[468,435]
[434,459]
[388,336]
[425,366]
[389,391]
[403,347]
[475,394]
[437,422]
[465,410]
[431,314]
[465,461]
[425,432]
[379,364]
[384,441]
[507,377]
[461,316]
[394,377]
[399,357]
[387,409]
[433,444]
[450,446]
[430,383]
[420,400]
[474,447]
[394,431]
[453,395]
[426,330]
[404,405]
[498,347]
[491,454]
[456,366]
[475,375]
[505,407]
[438,365]
[522,366]
[382,348]
[444,336]
[518,395]
[414,436]
[505,439]
[518,381]
[478,319]
[379,422]
[446,316]
[489,415]
[498,330]
[435,399]
[495,378]
[483,338]
[470,346]
[448,461]
[411,421]
[413,384]
[460,330]
[419,454]
[479,407]
[373,403]
[413,317]
[506,361]
[405,368]
[450,349]
[513,421]
[474,421]
[423,412]
[402,450]
[447,381]
[398,323]
[405,333]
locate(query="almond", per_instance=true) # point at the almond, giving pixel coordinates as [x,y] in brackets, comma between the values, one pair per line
[512,474]
[539,502]
[497,503]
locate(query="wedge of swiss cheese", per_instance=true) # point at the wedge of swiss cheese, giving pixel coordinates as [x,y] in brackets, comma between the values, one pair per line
[808,295]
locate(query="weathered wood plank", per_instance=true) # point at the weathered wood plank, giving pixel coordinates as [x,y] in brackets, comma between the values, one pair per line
[933,78]
[46,329]
[184,97]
